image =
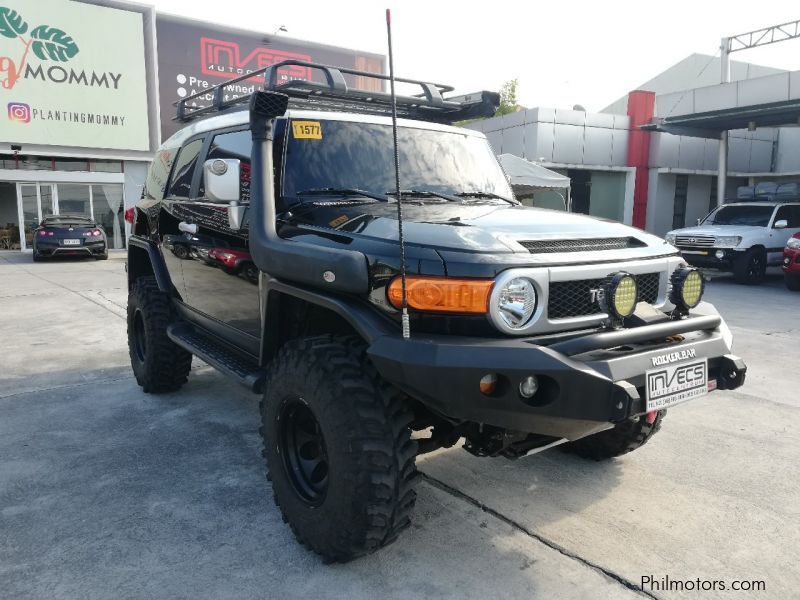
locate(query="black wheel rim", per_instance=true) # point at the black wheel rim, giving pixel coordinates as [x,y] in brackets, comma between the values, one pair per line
[755,267]
[139,340]
[305,456]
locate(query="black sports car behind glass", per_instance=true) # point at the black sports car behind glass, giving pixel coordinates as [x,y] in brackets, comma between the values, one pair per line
[69,235]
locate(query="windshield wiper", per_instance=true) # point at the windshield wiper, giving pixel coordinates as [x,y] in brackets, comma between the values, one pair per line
[425,194]
[489,195]
[342,192]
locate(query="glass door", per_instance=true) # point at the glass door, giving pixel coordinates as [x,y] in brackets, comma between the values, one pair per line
[35,201]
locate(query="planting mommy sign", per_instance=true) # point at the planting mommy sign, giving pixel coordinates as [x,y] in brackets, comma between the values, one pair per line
[72,74]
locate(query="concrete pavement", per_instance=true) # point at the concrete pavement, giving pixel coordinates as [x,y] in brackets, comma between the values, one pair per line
[106,492]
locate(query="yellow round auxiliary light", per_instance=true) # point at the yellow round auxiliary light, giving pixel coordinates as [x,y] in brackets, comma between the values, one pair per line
[621,295]
[688,286]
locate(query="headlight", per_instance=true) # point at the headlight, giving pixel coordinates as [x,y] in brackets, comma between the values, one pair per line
[727,241]
[670,238]
[793,243]
[620,295]
[516,302]
[688,286]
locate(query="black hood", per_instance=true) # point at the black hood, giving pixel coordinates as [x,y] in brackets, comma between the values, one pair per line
[485,228]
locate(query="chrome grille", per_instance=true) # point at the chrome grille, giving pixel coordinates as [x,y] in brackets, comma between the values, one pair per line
[695,241]
[545,246]
[573,298]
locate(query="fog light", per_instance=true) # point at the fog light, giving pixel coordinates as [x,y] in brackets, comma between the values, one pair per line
[687,288]
[529,386]
[620,294]
[488,383]
[719,254]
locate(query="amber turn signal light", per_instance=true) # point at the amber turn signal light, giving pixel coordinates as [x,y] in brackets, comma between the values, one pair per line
[442,294]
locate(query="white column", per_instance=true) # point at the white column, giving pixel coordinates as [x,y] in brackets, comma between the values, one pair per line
[725,77]
[722,169]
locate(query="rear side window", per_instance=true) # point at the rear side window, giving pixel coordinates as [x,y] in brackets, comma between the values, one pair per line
[236,144]
[156,183]
[183,172]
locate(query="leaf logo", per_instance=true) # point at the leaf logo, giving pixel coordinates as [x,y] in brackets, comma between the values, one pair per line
[53,43]
[11,23]
[47,43]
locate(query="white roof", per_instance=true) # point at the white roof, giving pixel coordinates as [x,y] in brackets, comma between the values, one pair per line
[241,117]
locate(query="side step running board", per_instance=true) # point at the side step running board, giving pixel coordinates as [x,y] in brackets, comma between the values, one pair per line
[218,356]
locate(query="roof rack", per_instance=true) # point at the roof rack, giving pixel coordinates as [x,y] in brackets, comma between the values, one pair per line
[335,95]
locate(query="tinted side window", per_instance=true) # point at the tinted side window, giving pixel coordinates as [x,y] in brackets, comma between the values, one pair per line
[236,144]
[181,184]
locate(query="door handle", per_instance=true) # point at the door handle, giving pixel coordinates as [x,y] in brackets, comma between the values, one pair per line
[188,227]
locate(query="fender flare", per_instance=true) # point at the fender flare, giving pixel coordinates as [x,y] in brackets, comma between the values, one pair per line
[365,320]
[157,265]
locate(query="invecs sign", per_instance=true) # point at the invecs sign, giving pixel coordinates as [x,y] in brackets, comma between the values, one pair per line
[194,56]
[70,75]
[225,58]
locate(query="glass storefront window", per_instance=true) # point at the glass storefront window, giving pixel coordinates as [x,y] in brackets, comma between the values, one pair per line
[72,164]
[73,199]
[105,166]
[35,163]
[8,161]
[109,212]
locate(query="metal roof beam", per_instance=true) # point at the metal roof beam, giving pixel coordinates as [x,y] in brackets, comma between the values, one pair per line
[762,37]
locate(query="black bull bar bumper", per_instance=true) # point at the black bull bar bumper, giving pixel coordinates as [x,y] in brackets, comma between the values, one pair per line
[586,382]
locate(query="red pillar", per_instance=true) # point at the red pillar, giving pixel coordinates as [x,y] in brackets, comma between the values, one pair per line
[641,105]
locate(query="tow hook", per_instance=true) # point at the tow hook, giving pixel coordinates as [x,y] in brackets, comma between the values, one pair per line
[651,417]
[732,372]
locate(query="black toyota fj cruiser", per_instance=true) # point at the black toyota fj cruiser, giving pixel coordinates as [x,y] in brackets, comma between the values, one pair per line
[529,328]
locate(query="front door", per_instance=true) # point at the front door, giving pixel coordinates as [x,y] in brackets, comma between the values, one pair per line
[778,237]
[222,281]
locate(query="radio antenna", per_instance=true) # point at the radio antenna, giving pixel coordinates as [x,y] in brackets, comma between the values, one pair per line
[405,319]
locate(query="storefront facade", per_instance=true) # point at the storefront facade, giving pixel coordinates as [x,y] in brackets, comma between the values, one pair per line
[81,117]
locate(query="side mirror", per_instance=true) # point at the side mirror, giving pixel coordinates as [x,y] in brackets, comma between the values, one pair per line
[221,176]
[782,224]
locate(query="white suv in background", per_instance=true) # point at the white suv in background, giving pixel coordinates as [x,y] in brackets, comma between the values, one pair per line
[743,238]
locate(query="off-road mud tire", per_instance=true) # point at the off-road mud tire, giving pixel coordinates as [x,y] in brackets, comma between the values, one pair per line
[364,422]
[159,364]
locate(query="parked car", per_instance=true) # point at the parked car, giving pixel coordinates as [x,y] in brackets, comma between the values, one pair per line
[235,262]
[515,328]
[69,235]
[743,238]
[791,263]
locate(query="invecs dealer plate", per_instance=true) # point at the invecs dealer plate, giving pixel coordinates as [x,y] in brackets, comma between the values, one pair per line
[671,384]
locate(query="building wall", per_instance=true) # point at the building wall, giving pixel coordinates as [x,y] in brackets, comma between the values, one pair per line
[748,151]
[559,136]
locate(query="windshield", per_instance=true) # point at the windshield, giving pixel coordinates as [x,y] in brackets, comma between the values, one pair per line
[741,215]
[360,156]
